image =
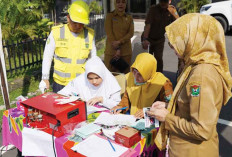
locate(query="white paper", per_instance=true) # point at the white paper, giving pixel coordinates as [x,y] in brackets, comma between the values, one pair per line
[37,143]
[110,132]
[67,100]
[92,109]
[148,120]
[95,146]
[112,119]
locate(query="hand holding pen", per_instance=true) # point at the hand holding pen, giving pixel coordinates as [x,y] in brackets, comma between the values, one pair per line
[118,109]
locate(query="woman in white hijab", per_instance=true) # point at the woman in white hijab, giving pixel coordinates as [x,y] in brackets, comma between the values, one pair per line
[96,85]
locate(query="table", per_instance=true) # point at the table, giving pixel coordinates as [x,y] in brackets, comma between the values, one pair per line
[12,126]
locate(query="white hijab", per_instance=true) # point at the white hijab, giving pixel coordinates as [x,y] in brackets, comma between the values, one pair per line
[108,86]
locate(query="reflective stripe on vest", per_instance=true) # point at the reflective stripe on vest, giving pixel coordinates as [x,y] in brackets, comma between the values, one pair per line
[61,74]
[62,59]
[62,32]
[86,34]
[81,61]
[78,74]
[68,65]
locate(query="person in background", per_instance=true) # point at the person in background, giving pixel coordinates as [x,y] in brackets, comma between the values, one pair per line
[144,86]
[95,85]
[158,17]
[70,45]
[119,29]
[203,88]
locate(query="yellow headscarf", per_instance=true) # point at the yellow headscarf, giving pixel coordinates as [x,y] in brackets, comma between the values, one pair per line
[198,39]
[144,95]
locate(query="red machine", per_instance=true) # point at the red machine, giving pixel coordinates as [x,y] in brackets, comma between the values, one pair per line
[43,113]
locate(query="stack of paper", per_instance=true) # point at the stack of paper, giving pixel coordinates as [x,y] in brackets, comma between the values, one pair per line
[67,100]
[96,146]
[110,132]
[112,120]
[87,130]
[92,109]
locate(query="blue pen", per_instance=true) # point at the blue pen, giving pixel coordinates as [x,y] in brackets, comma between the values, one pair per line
[111,144]
[121,109]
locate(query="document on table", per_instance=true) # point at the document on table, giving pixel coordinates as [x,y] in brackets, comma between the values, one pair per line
[96,146]
[87,130]
[92,109]
[36,143]
[67,100]
[112,119]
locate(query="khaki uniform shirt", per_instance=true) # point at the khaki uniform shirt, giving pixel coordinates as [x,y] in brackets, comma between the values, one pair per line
[159,18]
[119,28]
[192,130]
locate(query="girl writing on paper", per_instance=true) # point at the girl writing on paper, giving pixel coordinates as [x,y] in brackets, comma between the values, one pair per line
[144,86]
[95,85]
[203,88]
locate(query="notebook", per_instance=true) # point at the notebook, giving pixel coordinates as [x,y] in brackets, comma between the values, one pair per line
[87,130]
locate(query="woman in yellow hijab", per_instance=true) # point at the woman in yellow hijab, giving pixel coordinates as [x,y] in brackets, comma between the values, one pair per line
[144,86]
[202,89]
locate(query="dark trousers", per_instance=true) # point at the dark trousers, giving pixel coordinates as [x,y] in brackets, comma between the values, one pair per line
[56,87]
[108,58]
[157,50]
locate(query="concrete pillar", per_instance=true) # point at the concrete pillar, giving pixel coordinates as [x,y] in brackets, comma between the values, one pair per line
[112,5]
[105,6]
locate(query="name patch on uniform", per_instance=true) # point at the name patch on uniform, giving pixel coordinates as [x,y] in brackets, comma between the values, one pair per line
[61,39]
[114,19]
[195,90]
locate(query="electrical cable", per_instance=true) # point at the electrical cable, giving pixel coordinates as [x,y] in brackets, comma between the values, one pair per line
[53,142]
[5,150]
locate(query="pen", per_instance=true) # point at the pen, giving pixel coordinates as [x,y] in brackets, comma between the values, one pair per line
[121,109]
[111,144]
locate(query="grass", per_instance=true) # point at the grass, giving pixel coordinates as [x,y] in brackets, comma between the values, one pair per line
[32,87]
[101,51]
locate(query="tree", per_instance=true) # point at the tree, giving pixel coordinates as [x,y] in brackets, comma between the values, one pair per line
[22,19]
[95,7]
[191,6]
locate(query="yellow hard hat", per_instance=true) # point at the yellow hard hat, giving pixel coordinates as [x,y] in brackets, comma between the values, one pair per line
[79,12]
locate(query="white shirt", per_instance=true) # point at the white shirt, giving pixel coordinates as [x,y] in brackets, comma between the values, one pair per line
[109,89]
[49,53]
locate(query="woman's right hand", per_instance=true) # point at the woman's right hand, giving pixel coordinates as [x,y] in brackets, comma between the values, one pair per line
[114,110]
[159,105]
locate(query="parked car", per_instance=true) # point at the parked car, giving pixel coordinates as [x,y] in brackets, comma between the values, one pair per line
[222,11]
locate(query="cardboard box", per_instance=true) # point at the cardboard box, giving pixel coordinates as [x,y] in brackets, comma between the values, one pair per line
[127,136]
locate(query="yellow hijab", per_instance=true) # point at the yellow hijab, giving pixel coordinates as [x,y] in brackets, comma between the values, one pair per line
[198,39]
[144,95]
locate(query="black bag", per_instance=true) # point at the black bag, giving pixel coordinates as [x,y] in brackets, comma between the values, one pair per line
[119,64]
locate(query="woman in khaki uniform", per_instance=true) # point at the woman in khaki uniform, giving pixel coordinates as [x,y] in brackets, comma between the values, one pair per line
[119,29]
[202,89]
